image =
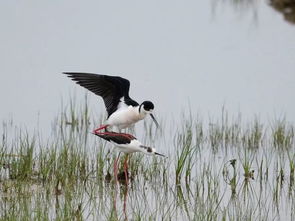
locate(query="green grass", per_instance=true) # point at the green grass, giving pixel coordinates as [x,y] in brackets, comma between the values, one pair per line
[225,169]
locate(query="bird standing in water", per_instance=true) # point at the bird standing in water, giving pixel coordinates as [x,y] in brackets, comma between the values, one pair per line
[126,143]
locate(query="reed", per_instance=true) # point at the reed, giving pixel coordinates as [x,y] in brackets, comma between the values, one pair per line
[221,170]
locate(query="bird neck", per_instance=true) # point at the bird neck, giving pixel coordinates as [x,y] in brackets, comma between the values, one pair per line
[141,113]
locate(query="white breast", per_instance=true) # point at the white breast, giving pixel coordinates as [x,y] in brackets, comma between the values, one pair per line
[124,117]
[133,146]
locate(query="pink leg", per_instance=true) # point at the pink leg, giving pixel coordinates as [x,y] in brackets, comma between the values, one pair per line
[125,202]
[126,169]
[116,169]
[100,128]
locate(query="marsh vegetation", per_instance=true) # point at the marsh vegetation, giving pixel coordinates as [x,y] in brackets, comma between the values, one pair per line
[220,168]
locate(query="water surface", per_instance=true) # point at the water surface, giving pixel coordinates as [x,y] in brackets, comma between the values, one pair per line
[191,59]
[201,54]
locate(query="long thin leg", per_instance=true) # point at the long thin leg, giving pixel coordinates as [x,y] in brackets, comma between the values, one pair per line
[116,168]
[100,128]
[125,203]
[126,169]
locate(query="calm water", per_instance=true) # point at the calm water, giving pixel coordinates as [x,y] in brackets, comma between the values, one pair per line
[201,55]
[195,55]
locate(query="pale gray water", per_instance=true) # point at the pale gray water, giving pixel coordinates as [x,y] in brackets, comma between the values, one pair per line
[199,53]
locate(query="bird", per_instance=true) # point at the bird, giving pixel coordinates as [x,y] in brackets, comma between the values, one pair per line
[126,143]
[123,111]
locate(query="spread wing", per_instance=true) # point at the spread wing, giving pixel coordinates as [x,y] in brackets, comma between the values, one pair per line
[110,88]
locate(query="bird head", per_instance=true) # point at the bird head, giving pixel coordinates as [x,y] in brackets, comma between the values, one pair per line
[151,151]
[147,107]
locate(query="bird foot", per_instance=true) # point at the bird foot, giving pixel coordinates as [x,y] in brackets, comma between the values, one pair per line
[96,131]
[123,176]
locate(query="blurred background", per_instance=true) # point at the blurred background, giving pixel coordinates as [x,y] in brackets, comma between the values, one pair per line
[201,55]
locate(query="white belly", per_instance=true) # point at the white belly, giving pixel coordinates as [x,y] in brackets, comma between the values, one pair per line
[128,148]
[124,118]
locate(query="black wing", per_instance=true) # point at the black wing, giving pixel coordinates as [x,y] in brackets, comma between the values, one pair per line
[117,137]
[110,88]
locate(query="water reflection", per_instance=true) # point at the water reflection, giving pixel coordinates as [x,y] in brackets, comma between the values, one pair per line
[286,7]
[241,7]
[191,183]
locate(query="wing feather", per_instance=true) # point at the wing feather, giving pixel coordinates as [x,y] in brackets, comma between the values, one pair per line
[110,88]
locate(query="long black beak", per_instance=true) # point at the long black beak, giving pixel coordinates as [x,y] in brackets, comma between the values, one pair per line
[160,154]
[154,119]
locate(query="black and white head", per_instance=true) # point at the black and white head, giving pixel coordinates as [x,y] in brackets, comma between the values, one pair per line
[147,107]
[151,151]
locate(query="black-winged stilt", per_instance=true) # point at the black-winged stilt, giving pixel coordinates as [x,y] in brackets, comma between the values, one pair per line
[126,143]
[122,111]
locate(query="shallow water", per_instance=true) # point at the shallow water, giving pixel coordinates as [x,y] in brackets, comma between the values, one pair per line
[229,169]
[193,60]
[201,55]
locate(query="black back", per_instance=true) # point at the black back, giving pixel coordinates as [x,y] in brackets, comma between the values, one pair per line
[118,138]
[110,88]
